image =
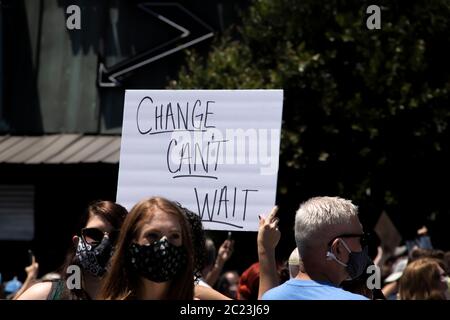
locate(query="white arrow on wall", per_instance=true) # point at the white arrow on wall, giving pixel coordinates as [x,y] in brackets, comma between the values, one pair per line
[107,76]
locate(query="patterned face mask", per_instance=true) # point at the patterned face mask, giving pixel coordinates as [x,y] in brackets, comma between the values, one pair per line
[159,262]
[94,259]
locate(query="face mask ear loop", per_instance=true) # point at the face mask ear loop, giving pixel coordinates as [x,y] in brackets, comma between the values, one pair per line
[345,246]
[331,256]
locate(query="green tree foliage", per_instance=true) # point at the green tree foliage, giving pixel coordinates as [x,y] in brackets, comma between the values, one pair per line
[366,112]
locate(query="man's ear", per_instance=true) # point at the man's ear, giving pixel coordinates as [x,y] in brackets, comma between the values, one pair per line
[75,240]
[335,247]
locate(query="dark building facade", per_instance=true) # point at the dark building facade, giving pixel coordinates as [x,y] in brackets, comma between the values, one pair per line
[61,104]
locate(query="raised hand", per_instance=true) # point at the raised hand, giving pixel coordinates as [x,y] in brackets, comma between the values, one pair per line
[268,234]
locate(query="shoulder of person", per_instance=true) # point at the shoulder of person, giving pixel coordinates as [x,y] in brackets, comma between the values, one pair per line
[347,295]
[201,282]
[205,293]
[277,293]
[39,291]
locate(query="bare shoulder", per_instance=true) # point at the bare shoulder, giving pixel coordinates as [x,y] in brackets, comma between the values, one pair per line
[39,291]
[205,293]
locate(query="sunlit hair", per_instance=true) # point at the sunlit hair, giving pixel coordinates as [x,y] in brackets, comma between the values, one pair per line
[421,281]
[122,281]
[316,215]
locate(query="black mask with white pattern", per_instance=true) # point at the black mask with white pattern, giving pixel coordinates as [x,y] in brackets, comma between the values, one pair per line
[159,262]
[94,259]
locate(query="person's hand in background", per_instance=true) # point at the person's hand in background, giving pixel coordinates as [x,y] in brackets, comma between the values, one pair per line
[32,273]
[32,270]
[223,255]
[225,252]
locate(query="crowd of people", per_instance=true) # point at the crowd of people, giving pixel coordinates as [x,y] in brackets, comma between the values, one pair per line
[159,250]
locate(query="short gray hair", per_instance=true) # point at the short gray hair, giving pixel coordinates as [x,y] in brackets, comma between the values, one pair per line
[316,215]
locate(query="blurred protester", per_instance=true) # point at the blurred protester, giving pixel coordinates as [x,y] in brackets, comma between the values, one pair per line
[154,255]
[419,253]
[331,242]
[400,253]
[91,251]
[447,268]
[216,261]
[294,263]
[32,272]
[249,283]
[422,241]
[390,289]
[423,279]
[210,259]
[228,284]
[12,287]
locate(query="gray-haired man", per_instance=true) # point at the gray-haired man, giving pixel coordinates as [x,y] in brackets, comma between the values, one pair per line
[331,244]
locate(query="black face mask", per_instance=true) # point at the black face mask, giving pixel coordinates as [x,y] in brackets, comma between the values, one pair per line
[160,261]
[94,259]
[357,261]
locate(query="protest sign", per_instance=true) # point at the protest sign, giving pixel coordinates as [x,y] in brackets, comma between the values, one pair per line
[214,151]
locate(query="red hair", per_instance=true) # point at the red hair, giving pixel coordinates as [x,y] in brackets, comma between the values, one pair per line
[122,281]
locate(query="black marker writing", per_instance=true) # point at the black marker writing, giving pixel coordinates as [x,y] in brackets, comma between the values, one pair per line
[204,204]
[191,159]
[155,118]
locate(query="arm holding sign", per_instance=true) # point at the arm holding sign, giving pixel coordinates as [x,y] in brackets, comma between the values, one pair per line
[268,238]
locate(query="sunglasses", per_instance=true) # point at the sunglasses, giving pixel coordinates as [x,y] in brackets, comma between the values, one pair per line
[94,236]
[363,238]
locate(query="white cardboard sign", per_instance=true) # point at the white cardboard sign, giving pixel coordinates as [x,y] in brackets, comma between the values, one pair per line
[214,151]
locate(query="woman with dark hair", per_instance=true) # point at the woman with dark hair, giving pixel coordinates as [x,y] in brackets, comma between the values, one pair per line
[91,251]
[154,255]
[198,241]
